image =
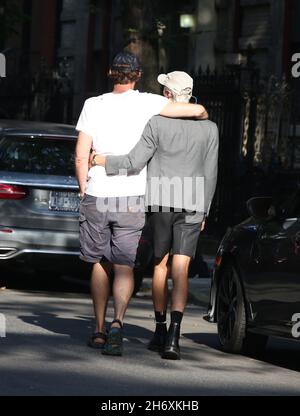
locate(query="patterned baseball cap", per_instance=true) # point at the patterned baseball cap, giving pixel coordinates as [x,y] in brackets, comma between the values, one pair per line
[126,62]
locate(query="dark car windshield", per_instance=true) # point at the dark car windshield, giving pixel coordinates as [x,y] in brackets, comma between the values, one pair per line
[291,207]
[40,155]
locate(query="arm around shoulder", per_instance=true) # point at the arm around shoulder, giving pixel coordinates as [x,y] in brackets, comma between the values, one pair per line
[181,110]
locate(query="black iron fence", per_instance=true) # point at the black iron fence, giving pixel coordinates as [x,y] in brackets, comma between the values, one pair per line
[221,95]
[45,95]
[257,121]
[258,153]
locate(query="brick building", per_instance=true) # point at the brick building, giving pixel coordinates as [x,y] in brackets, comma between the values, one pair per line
[70,35]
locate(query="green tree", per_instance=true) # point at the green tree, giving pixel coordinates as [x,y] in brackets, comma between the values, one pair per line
[141,38]
[151,30]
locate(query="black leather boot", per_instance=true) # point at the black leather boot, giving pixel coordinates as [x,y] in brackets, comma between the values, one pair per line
[158,340]
[171,350]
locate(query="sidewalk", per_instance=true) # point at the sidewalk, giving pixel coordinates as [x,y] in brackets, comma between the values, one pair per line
[199,288]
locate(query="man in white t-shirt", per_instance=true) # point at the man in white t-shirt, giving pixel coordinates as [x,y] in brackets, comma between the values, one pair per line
[112,207]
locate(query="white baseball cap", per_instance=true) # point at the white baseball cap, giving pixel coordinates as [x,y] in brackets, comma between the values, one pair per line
[178,81]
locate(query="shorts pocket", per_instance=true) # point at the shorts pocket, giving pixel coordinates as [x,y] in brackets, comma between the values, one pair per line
[131,220]
[138,220]
[88,200]
[82,216]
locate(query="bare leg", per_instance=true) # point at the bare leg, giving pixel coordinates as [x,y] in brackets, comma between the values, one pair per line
[160,285]
[100,289]
[180,268]
[160,303]
[122,290]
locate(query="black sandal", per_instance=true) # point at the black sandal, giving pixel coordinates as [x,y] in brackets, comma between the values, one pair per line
[117,321]
[97,345]
[114,343]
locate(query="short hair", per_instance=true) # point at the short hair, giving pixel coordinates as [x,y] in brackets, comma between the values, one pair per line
[183,98]
[124,78]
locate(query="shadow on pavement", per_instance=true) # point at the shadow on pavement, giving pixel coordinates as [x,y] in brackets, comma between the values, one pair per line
[283,353]
[79,327]
[47,364]
[44,281]
[279,352]
[209,339]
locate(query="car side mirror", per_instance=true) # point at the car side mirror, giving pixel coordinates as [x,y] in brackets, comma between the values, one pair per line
[260,207]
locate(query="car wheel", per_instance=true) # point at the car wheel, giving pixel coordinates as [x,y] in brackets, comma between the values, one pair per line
[232,320]
[231,313]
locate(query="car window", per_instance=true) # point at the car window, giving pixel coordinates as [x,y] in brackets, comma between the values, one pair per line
[291,207]
[295,206]
[38,155]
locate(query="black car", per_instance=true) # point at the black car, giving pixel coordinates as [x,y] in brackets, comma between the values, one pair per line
[255,290]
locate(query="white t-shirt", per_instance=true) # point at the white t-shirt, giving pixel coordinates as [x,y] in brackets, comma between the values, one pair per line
[116,123]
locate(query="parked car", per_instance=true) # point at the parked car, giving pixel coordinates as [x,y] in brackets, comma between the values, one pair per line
[39,200]
[255,291]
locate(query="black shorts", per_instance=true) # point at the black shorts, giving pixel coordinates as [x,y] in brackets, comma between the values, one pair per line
[175,232]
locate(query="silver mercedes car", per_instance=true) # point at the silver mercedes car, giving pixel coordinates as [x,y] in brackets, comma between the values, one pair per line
[38,193]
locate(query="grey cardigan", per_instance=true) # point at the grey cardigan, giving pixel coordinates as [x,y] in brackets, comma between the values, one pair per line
[182,158]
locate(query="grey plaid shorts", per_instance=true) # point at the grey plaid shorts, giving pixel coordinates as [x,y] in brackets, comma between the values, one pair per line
[110,228]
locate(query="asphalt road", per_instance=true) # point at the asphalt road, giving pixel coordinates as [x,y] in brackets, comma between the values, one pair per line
[44,353]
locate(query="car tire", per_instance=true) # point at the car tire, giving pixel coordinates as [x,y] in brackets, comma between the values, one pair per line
[231,313]
[232,318]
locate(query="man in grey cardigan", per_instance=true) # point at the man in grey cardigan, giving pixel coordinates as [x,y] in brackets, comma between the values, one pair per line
[182,157]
